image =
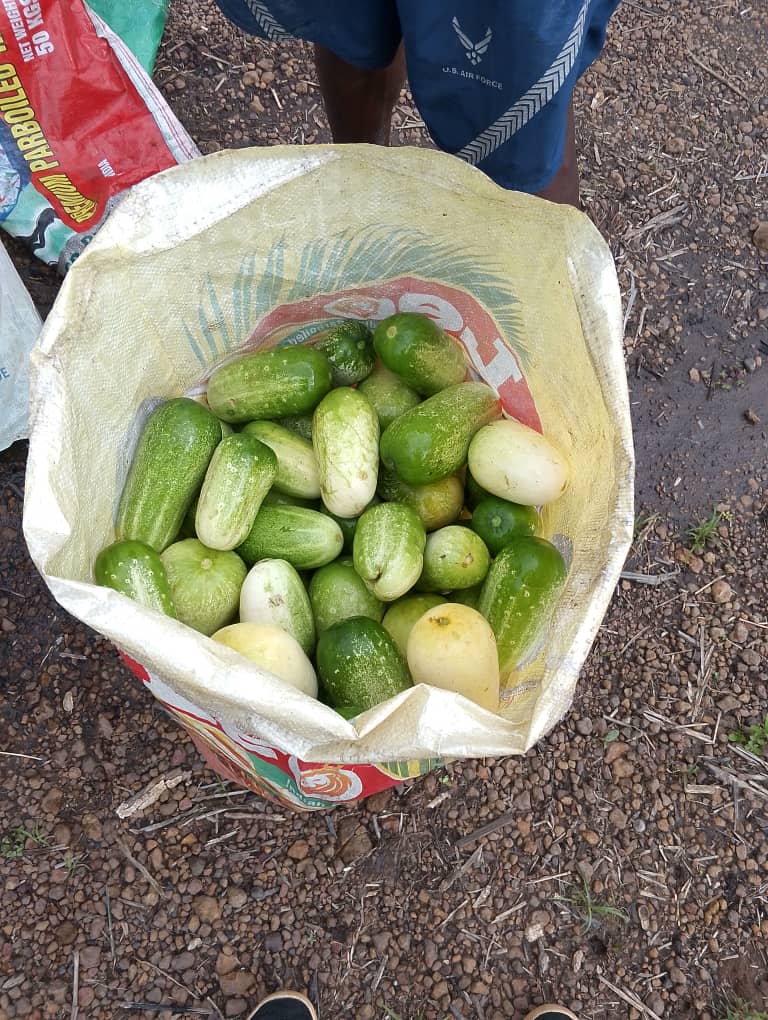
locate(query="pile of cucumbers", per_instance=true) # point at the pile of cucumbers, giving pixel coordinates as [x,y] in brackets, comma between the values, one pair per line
[354,512]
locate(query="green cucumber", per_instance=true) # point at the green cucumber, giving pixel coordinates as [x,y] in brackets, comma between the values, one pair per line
[171,458]
[136,570]
[306,538]
[415,347]
[269,384]
[348,525]
[359,664]
[454,558]
[297,472]
[276,498]
[337,592]
[187,529]
[387,549]
[496,521]
[274,593]
[437,503]
[402,615]
[301,424]
[205,584]
[473,493]
[431,441]
[349,348]
[345,436]
[348,711]
[466,596]
[238,478]
[519,594]
[389,395]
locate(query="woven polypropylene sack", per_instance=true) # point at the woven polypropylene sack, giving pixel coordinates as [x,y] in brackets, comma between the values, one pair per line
[19,328]
[244,249]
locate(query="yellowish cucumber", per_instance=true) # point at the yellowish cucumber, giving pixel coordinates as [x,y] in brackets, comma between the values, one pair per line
[437,503]
[345,435]
[171,458]
[518,464]
[274,650]
[306,538]
[452,647]
[297,472]
[238,478]
[270,384]
[402,615]
[274,593]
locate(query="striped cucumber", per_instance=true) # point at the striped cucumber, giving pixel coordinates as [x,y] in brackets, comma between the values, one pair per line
[431,441]
[238,478]
[359,664]
[169,464]
[276,498]
[297,471]
[301,424]
[306,538]
[205,584]
[136,570]
[270,384]
[387,549]
[345,435]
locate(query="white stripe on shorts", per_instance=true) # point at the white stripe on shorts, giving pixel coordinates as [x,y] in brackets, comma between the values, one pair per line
[534,99]
[271,28]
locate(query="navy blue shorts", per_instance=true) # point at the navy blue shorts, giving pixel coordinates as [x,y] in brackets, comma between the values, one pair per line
[492,78]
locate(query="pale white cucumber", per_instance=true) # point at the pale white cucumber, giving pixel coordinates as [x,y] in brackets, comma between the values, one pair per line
[517,463]
[274,593]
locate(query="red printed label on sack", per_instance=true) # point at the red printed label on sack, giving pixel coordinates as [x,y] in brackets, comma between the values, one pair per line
[258,766]
[47,94]
[454,310]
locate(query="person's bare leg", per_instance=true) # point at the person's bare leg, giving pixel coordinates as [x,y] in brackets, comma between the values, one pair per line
[564,186]
[359,103]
